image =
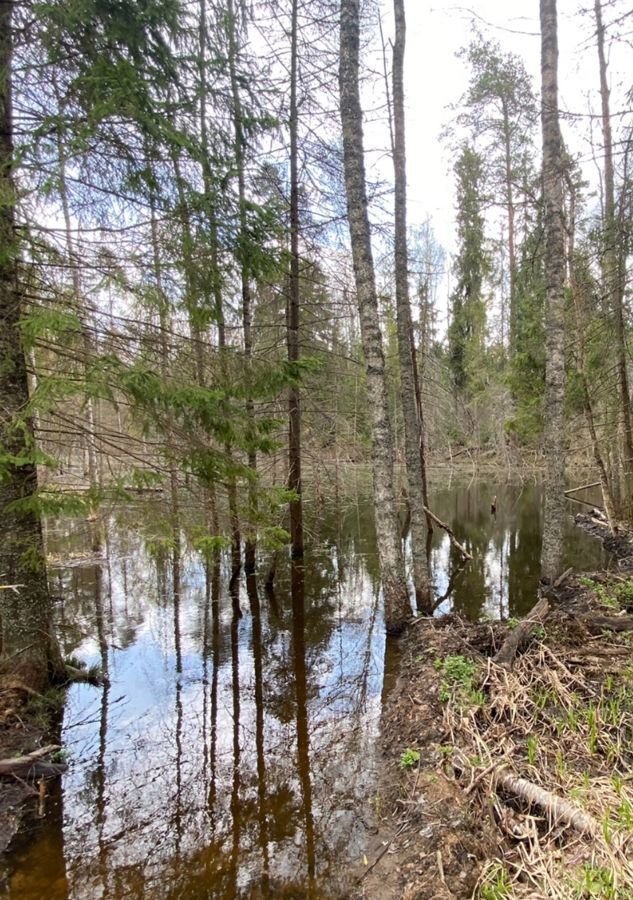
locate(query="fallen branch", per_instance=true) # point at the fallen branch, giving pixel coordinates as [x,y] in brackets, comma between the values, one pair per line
[584,502]
[83,676]
[582,487]
[508,650]
[449,531]
[452,456]
[598,624]
[31,763]
[559,811]
[520,634]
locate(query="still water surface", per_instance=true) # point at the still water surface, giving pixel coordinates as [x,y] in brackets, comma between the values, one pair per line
[233,752]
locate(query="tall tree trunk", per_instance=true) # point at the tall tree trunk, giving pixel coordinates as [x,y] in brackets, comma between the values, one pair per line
[511,227]
[421,419]
[578,298]
[239,144]
[292,308]
[397,607]
[412,424]
[164,325]
[554,430]
[612,277]
[28,648]
[88,344]
[192,301]
[216,279]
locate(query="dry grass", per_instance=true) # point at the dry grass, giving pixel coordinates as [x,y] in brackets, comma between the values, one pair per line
[562,720]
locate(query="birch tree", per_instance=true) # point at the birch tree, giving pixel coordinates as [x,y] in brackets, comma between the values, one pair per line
[412,425]
[397,607]
[554,411]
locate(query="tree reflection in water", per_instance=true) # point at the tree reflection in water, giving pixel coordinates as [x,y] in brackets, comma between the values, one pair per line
[233,751]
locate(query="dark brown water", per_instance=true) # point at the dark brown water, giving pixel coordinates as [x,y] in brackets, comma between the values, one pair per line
[234,751]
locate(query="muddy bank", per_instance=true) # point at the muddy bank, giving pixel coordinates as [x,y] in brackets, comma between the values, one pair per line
[619,542]
[511,783]
[27,722]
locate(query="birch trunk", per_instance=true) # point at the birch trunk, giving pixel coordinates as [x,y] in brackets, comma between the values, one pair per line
[554,445]
[510,213]
[412,424]
[611,271]
[397,608]
[27,646]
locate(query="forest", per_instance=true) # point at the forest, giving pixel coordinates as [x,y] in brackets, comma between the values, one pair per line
[316,449]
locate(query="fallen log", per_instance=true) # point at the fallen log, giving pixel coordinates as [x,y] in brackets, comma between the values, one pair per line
[598,624]
[559,811]
[31,763]
[508,650]
[537,615]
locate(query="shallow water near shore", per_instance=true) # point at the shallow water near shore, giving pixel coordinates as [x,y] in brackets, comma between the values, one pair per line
[235,749]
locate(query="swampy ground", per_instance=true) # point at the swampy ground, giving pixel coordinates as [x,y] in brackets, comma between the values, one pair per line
[248,742]
[561,719]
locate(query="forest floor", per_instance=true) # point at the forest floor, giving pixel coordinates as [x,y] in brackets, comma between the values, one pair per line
[512,783]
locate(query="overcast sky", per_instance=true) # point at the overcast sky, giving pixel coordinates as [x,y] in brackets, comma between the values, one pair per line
[435,78]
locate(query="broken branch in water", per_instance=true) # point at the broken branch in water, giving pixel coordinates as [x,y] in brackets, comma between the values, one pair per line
[449,531]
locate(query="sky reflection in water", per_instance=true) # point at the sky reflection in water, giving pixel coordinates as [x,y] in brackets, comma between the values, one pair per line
[233,753]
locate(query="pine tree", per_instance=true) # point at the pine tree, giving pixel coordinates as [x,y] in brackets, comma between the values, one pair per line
[467,329]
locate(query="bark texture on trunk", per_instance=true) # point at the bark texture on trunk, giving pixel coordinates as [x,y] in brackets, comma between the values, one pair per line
[28,649]
[510,213]
[580,304]
[247,303]
[292,309]
[554,444]
[612,274]
[412,424]
[397,608]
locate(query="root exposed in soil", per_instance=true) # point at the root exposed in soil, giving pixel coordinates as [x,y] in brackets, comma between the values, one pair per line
[523,786]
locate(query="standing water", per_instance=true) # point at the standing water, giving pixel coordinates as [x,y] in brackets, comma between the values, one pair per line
[234,749]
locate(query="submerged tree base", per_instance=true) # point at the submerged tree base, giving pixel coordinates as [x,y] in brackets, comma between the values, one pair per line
[510,781]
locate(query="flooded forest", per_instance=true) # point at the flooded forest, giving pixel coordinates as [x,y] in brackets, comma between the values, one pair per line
[316,450]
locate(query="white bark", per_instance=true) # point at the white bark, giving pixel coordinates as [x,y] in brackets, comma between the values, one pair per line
[397,607]
[412,425]
[554,430]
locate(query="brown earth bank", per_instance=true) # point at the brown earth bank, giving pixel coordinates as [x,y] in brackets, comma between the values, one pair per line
[511,782]
[30,759]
